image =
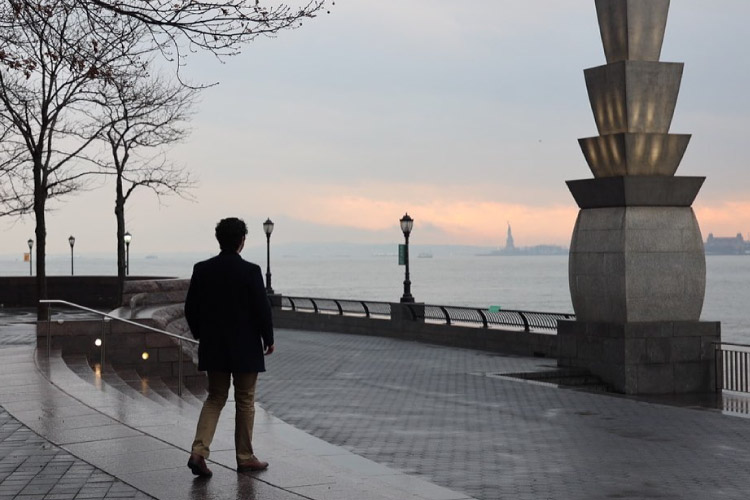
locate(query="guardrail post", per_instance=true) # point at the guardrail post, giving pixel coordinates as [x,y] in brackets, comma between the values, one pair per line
[179,368]
[737,371]
[49,330]
[525,322]
[292,303]
[106,322]
[484,318]
[717,362]
[315,306]
[447,316]
[338,304]
[367,309]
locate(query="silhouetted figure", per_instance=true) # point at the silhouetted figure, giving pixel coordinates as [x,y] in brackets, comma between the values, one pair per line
[228,311]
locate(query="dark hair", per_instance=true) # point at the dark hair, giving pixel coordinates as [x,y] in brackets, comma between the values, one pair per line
[229,233]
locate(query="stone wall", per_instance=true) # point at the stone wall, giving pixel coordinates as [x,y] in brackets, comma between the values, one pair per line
[98,292]
[125,345]
[664,357]
[488,339]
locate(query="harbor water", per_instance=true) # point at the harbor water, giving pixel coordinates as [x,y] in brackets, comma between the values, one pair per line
[535,283]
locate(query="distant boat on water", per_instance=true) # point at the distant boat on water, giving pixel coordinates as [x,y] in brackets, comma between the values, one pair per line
[424,255]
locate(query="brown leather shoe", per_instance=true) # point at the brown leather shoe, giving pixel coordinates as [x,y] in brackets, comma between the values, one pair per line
[252,465]
[198,465]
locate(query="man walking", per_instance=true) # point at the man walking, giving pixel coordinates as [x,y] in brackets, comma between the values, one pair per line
[228,311]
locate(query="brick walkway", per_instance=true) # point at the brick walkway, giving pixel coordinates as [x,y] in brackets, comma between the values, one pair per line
[32,468]
[131,439]
[442,414]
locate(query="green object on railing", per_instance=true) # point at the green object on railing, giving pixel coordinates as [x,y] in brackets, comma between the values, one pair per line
[494,309]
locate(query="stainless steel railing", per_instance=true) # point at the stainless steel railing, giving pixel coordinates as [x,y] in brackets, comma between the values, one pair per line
[732,366]
[449,315]
[106,319]
[349,307]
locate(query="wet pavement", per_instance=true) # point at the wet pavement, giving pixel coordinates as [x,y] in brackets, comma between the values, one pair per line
[33,468]
[375,418]
[449,415]
[143,442]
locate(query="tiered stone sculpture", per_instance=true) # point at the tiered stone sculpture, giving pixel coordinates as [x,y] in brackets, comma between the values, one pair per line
[637,267]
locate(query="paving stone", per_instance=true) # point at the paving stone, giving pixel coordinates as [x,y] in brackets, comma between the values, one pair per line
[31,468]
[440,413]
[435,412]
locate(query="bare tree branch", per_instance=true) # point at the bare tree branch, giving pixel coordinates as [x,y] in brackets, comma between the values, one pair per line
[219,27]
[177,28]
[51,69]
[145,115]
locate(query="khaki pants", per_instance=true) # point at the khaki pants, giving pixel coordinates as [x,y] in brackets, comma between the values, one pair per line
[244,396]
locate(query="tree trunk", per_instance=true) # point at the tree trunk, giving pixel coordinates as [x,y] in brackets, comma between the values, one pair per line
[40,199]
[120,216]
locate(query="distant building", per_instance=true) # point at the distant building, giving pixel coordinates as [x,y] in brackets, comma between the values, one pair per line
[726,245]
[511,249]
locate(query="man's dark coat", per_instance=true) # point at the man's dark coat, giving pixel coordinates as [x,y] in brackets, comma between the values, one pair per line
[228,311]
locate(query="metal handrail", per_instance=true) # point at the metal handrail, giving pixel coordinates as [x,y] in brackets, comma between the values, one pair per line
[107,318]
[732,367]
[525,320]
[448,315]
[339,307]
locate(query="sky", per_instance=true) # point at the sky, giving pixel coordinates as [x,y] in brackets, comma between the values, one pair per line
[464,114]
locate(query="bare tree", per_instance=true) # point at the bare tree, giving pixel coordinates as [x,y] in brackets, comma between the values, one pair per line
[16,192]
[50,72]
[178,27]
[56,54]
[145,116]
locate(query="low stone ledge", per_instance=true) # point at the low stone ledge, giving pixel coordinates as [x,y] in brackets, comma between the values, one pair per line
[494,340]
[643,358]
[100,292]
[141,293]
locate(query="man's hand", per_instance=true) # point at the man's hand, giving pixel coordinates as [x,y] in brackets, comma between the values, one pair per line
[269,350]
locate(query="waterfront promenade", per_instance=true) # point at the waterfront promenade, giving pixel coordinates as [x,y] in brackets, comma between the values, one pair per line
[373,418]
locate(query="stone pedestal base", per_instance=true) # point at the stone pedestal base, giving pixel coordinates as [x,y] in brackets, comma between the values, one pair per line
[275,299]
[661,357]
[411,311]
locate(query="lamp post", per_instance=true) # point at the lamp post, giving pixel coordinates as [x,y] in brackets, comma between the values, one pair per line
[31,256]
[127,237]
[268,229]
[72,241]
[406,224]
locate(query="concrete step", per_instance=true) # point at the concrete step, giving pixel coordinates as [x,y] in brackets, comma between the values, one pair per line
[129,378]
[197,386]
[72,369]
[131,384]
[303,466]
[168,390]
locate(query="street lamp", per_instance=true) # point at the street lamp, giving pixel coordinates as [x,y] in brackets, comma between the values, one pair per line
[406,224]
[268,229]
[72,241]
[127,237]
[31,255]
